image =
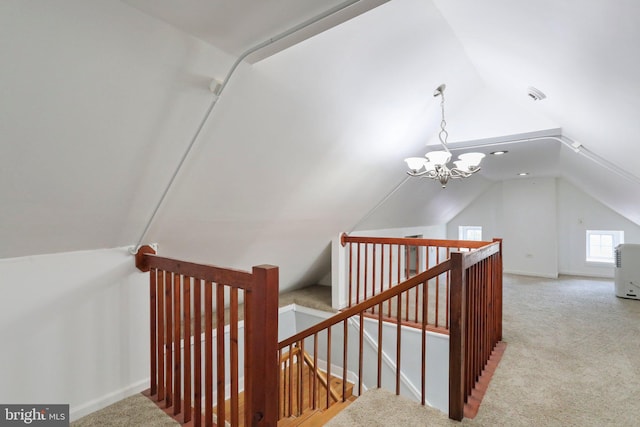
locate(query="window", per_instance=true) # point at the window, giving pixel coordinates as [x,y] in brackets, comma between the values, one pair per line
[470,232]
[601,245]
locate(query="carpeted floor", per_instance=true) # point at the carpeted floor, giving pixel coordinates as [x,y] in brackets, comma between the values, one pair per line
[572,359]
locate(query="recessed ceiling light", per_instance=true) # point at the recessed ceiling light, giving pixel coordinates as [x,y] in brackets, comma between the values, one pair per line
[523,174]
[499,153]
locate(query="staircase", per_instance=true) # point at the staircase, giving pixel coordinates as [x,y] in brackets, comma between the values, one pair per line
[297,407]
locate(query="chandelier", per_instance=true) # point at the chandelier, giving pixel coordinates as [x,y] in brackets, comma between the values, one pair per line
[434,164]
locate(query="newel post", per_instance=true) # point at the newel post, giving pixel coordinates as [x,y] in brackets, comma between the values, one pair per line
[142,262]
[457,316]
[261,351]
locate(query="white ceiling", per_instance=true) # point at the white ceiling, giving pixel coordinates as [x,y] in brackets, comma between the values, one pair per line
[239,25]
[99,101]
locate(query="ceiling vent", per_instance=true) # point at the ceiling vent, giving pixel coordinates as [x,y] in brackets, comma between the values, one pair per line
[535,94]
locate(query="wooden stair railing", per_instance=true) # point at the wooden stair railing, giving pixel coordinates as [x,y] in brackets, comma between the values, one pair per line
[321,334]
[469,282]
[378,263]
[474,304]
[476,321]
[184,382]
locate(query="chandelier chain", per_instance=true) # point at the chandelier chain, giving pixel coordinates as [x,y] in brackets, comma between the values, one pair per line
[443,134]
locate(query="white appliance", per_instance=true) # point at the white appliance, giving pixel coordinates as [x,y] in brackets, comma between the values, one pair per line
[627,272]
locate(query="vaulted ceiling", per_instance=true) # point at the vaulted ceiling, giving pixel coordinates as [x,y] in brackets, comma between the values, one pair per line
[100,101]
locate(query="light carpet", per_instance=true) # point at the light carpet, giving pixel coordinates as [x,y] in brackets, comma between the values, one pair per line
[572,359]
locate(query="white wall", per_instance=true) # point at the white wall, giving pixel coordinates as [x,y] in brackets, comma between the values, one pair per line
[529,227]
[485,211]
[577,213]
[546,219]
[99,102]
[74,329]
[523,213]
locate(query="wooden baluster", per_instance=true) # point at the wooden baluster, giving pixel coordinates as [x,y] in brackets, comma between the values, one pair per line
[380,324]
[417,294]
[233,350]
[315,371]
[153,314]
[398,344]
[281,385]
[345,346]
[290,378]
[373,275]
[350,275]
[309,377]
[358,275]
[473,328]
[328,363]
[300,376]
[220,351]
[407,274]
[399,279]
[208,354]
[469,334]
[424,345]
[169,330]
[161,337]
[197,352]
[186,298]
[366,271]
[388,313]
[177,360]
[360,361]
[446,301]
[437,302]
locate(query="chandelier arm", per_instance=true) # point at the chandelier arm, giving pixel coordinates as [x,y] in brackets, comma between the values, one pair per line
[459,173]
[423,174]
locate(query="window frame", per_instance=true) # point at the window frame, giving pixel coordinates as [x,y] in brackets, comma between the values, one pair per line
[617,237]
[463,231]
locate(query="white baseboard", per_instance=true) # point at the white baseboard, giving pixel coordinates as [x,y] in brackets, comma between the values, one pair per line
[108,399]
[589,274]
[531,273]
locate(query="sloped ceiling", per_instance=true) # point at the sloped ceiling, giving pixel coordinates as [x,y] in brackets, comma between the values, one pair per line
[100,101]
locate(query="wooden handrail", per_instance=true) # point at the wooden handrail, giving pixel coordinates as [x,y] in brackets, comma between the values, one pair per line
[208,273]
[413,241]
[474,257]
